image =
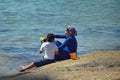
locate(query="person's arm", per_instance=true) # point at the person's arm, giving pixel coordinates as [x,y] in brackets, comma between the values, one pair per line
[56,52]
[40,52]
[41,49]
[60,36]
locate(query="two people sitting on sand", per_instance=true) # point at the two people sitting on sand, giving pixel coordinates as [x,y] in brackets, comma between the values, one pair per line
[55,50]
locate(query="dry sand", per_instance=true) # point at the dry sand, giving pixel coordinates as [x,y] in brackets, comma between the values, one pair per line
[103,65]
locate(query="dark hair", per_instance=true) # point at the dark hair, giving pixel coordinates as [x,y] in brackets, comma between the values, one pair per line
[50,37]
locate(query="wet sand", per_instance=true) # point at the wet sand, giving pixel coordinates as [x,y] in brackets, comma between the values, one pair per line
[103,65]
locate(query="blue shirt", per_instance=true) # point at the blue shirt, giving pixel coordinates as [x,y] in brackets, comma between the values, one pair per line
[69,45]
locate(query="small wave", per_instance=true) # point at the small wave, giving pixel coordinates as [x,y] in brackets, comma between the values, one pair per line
[18,50]
[5,30]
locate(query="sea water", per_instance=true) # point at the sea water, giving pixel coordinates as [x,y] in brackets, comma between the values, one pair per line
[22,22]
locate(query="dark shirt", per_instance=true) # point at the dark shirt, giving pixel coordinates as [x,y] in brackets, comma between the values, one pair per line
[69,45]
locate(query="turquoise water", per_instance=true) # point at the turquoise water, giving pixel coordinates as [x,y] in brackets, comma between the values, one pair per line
[22,22]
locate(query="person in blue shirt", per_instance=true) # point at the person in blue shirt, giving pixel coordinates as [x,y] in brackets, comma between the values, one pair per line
[68,46]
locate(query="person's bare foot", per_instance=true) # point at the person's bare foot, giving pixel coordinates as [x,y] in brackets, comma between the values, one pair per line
[21,69]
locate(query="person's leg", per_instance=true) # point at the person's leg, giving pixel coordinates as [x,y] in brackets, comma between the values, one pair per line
[38,63]
[63,55]
[58,43]
[43,62]
[29,66]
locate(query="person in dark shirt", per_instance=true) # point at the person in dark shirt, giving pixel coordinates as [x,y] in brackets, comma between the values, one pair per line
[68,46]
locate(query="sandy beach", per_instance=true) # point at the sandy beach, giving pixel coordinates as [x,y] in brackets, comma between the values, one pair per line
[102,65]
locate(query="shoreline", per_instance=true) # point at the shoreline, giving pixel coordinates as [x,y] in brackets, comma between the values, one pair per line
[101,65]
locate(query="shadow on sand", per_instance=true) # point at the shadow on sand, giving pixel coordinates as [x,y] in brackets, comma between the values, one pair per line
[15,77]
